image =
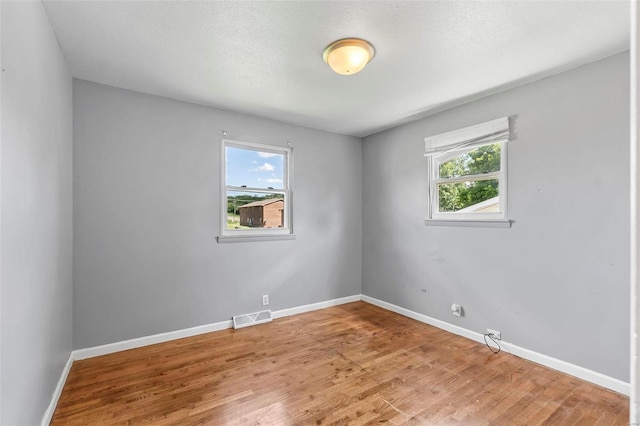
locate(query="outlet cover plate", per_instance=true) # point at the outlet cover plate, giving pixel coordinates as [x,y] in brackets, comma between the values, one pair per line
[496,334]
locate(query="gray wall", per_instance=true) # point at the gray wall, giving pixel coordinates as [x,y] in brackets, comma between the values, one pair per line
[36,213]
[146,217]
[557,282]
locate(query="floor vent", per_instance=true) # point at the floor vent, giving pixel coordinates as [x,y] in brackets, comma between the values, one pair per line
[246,320]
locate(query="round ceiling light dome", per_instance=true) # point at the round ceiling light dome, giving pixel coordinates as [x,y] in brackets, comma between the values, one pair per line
[349,55]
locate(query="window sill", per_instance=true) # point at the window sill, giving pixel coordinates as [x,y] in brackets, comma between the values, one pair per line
[254,238]
[488,223]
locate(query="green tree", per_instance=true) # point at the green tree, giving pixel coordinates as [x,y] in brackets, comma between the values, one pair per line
[457,196]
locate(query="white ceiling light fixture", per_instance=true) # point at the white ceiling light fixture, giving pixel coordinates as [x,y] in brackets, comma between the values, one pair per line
[349,55]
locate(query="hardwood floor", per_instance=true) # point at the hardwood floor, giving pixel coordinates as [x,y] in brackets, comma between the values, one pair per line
[350,364]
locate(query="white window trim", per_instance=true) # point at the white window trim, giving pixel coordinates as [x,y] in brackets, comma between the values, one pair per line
[442,147]
[470,223]
[258,234]
[491,131]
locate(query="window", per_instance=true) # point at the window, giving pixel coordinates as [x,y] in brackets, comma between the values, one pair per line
[256,194]
[468,173]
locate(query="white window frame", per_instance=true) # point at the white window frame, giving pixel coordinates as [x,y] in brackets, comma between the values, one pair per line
[443,147]
[435,179]
[257,234]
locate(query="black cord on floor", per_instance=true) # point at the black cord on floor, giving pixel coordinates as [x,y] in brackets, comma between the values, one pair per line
[492,337]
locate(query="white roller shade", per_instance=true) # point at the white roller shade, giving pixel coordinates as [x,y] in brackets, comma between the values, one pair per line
[494,131]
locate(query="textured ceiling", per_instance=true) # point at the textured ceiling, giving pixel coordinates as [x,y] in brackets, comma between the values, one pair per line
[265,58]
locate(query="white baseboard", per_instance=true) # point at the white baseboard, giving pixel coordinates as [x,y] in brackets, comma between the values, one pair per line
[568,368]
[315,306]
[554,363]
[48,414]
[149,340]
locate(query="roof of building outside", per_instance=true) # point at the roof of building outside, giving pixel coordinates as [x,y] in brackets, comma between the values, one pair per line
[262,203]
[483,205]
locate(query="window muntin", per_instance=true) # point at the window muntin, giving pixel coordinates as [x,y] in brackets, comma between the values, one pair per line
[256,193]
[469,183]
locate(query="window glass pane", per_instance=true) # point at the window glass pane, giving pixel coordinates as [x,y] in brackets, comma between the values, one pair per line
[254,169]
[479,196]
[247,210]
[483,159]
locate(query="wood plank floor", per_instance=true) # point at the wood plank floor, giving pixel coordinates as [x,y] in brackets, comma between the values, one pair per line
[350,364]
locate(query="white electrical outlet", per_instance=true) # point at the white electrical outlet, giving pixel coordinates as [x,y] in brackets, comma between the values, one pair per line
[456,310]
[494,333]
[265,300]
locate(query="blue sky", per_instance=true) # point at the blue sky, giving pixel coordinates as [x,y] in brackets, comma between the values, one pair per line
[253,168]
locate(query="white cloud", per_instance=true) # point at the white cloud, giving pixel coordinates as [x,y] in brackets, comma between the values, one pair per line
[266,167]
[274,180]
[266,154]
